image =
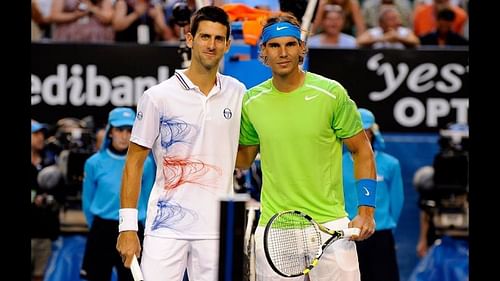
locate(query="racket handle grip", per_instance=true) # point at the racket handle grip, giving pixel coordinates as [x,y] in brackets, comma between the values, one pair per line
[136,270]
[348,232]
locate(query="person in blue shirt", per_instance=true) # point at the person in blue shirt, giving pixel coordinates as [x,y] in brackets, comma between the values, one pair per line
[101,198]
[377,254]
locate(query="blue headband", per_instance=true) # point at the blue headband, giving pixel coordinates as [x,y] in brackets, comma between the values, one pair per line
[280,29]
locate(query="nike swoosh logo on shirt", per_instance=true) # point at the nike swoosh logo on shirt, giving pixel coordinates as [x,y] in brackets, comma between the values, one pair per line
[310,97]
[367,193]
[278,28]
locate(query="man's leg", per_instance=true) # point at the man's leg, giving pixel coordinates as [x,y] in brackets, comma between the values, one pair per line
[203,260]
[164,259]
[263,270]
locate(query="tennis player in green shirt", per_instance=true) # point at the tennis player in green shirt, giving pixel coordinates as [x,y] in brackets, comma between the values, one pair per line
[298,122]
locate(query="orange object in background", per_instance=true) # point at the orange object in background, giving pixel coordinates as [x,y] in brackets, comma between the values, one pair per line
[252,19]
[252,29]
[244,12]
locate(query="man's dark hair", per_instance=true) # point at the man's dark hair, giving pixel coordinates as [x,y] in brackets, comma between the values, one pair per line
[446,15]
[210,13]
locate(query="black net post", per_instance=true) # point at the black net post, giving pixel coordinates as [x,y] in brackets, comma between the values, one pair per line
[232,232]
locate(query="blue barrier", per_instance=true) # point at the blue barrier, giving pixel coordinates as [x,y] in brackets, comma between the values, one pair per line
[66,259]
[447,260]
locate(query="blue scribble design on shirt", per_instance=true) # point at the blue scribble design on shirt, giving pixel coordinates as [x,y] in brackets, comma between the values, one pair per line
[169,214]
[174,130]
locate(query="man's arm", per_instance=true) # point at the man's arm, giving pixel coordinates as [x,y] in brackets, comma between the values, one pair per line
[364,168]
[128,241]
[246,156]
[410,40]
[422,237]
[365,39]
[132,175]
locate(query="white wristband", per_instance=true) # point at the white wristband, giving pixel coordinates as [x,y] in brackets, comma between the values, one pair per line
[128,219]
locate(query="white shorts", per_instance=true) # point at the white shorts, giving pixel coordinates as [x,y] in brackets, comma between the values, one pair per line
[338,263]
[166,259]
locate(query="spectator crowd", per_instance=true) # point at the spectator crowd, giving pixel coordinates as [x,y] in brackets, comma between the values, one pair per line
[338,23]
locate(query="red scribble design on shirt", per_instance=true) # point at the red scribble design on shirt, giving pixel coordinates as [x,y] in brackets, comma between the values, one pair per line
[180,171]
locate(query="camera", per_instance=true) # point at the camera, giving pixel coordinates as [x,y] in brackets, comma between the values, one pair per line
[445,194]
[73,142]
[181,13]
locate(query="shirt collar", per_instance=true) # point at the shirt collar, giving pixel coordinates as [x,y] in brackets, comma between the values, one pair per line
[186,83]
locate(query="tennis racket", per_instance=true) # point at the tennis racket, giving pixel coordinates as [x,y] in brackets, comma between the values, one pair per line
[136,270]
[293,243]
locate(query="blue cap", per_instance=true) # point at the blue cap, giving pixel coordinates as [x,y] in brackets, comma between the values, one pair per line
[35,126]
[121,116]
[118,117]
[368,120]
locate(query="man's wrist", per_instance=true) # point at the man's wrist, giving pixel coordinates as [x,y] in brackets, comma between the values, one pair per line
[366,189]
[364,210]
[127,220]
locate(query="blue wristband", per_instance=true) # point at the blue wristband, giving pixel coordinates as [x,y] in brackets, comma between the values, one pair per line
[367,189]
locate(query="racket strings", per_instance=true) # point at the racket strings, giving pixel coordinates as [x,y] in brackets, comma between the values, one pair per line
[293,242]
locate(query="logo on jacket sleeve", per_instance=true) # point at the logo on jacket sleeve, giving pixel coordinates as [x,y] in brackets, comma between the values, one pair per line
[227,113]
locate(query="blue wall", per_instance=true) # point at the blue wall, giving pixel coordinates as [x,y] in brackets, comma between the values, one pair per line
[413,152]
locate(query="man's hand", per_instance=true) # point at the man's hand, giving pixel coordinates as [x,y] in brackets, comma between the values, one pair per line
[365,222]
[421,248]
[127,245]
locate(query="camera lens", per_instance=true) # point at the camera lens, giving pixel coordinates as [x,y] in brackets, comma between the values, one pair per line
[181,13]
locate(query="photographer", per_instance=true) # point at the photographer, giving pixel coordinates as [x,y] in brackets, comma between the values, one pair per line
[444,230]
[443,190]
[423,180]
[46,181]
[177,16]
